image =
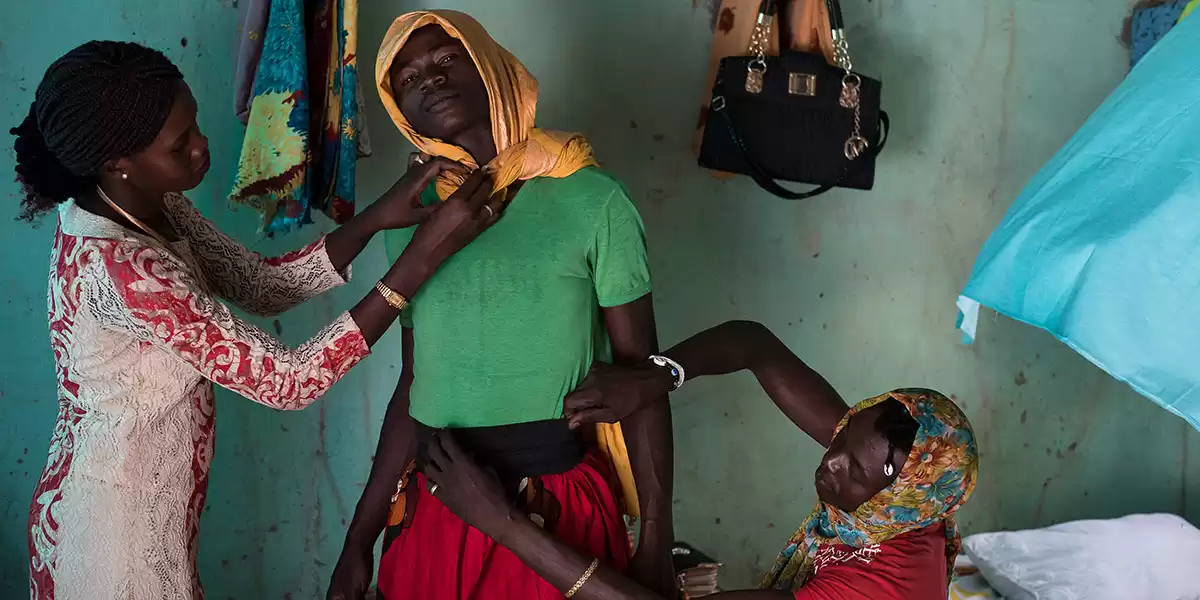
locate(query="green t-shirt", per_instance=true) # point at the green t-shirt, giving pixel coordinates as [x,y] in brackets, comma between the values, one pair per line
[510,324]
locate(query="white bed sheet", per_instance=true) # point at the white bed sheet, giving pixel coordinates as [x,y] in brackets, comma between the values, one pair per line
[968,583]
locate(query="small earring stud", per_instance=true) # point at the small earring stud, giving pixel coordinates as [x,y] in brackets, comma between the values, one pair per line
[124,175]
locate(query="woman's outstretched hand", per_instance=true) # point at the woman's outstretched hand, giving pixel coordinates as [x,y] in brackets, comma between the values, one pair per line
[475,495]
[449,226]
[610,393]
[466,489]
[401,206]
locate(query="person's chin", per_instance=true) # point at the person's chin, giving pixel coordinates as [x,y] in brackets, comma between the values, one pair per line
[823,492]
[451,119]
[198,177]
[826,494]
[192,183]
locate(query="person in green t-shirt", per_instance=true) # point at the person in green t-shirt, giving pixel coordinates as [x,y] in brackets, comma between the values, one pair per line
[503,332]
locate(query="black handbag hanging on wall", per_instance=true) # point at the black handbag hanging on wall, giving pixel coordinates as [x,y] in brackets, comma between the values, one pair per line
[795,117]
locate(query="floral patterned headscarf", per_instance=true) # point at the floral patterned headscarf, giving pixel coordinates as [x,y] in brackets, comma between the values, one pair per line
[938,477]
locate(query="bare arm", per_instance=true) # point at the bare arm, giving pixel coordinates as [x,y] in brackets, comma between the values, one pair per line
[268,286]
[562,566]
[449,226]
[651,451]
[800,392]
[397,208]
[345,243]
[397,446]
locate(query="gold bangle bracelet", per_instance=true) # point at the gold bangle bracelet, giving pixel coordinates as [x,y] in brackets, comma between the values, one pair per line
[583,578]
[395,299]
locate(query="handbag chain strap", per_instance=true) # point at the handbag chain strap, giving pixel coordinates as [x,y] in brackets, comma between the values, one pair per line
[841,47]
[756,69]
[856,144]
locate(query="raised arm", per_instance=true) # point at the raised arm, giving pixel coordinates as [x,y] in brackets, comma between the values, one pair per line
[647,432]
[264,286]
[611,392]
[154,295]
[267,286]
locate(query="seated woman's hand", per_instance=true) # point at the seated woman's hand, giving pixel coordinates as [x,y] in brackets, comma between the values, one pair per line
[471,493]
[610,393]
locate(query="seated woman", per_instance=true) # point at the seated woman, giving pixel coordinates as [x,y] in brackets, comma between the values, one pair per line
[897,468]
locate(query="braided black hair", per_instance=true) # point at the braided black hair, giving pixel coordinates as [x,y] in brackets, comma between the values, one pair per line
[898,427]
[99,102]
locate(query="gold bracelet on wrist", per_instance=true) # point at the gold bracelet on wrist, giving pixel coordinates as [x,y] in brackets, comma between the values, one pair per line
[583,578]
[395,299]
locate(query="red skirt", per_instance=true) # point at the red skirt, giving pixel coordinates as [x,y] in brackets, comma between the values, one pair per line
[438,557]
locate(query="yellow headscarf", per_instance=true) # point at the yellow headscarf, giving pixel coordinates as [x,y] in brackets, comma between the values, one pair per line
[524,152]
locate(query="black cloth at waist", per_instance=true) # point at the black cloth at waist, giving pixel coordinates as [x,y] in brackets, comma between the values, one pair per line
[515,451]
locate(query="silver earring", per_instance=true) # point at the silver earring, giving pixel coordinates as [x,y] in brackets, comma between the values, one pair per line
[888,469]
[124,175]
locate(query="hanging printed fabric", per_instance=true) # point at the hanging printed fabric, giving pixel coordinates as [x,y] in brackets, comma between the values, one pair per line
[301,143]
[1151,21]
[248,47]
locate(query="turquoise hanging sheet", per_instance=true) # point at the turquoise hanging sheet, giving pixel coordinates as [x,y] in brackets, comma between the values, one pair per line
[1102,248]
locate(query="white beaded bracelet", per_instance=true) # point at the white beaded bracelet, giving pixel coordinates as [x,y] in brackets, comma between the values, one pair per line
[676,369]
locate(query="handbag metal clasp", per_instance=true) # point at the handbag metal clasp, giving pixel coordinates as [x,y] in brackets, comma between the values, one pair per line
[851,84]
[757,68]
[855,146]
[802,84]
[754,75]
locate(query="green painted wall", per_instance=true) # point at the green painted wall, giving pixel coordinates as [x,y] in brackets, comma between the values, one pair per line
[860,284]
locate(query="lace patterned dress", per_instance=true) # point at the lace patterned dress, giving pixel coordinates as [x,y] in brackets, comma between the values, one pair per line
[139,338]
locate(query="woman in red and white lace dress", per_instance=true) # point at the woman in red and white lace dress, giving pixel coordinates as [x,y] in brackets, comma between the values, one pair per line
[138,334]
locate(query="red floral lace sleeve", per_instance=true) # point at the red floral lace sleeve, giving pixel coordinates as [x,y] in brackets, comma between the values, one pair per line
[153,295]
[258,285]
